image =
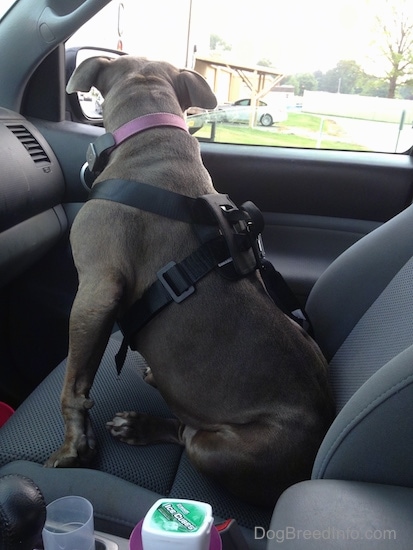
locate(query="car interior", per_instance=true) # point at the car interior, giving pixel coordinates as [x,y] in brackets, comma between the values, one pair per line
[338,227]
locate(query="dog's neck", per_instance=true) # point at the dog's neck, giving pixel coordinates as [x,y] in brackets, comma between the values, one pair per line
[99,151]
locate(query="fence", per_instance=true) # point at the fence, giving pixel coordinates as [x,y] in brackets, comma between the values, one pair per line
[377,109]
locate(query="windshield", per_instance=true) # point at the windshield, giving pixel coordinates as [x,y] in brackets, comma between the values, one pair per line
[5,5]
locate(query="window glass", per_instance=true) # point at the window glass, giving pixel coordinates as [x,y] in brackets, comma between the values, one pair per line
[287,73]
[5,5]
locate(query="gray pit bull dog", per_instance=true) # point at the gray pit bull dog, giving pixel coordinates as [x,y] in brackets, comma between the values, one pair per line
[248,387]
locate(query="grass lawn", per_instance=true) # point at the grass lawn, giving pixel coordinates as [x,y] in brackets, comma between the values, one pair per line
[303,120]
[299,130]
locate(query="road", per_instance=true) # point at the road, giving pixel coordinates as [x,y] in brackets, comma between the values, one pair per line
[376,136]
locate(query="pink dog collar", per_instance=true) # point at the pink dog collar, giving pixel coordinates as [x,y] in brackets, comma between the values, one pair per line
[99,150]
[146,122]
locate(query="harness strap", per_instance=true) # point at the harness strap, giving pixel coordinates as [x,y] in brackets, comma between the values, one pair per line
[175,282]
[282,295]
[146,197]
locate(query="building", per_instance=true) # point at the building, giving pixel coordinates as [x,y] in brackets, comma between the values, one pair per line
[231,81]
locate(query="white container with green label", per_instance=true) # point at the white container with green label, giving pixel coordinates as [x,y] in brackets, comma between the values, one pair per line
[177,524]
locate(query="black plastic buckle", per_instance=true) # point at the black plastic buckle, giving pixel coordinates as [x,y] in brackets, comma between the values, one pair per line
[163,273]
[235,226]
[97,152]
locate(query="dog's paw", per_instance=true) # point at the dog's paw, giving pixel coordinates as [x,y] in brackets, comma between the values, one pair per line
[149,377]
[130,427]
[76,455]
[144,429]
[59,459]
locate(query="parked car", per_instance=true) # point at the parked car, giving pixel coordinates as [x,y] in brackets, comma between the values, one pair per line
[338,227]
[241,111]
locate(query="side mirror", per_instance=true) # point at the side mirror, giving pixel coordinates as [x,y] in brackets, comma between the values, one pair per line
[86,105]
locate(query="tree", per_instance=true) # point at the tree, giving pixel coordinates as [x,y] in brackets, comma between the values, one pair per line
[302,82]
[346,77]
[218,43]
[395,26]
[373,86]
[265,62]
[406,90]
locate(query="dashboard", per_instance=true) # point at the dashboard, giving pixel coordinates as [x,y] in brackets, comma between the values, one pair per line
[32,188]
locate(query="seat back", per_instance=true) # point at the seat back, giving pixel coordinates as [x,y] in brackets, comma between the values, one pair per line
[362,312]
[362,306]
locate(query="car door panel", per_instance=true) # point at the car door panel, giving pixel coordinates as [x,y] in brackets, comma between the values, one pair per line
[315,203]
[301,247]
[343,184]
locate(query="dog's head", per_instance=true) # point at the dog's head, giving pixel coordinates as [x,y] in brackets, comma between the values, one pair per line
[149,86]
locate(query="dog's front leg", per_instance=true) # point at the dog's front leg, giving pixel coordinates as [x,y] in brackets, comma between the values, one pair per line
[93,314]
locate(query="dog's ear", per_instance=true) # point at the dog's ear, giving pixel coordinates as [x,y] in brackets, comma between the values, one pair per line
[193,90]
[87,75]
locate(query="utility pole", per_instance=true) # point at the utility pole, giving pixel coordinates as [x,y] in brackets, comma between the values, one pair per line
[188,38]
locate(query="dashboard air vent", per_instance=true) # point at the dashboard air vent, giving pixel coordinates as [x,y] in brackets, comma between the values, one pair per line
[31,144]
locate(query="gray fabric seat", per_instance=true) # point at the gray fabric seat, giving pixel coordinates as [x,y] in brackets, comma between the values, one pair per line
[36,430]
[362,481]
[362,313]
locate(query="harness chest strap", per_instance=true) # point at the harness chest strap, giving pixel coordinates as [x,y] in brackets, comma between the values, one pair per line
[175,282]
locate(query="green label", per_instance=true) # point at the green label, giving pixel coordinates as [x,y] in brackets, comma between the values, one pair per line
[178,517]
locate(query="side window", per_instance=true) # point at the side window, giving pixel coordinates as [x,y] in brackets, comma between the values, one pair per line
[292,74]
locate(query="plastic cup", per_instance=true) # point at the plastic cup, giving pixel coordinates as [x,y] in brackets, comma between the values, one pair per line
[69,525]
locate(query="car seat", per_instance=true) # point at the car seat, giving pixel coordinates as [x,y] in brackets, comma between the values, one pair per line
[362,313]
[361,491]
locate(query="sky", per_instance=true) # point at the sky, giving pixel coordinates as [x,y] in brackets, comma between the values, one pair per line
[295,35]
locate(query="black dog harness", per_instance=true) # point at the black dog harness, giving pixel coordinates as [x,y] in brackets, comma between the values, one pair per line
[230,238]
